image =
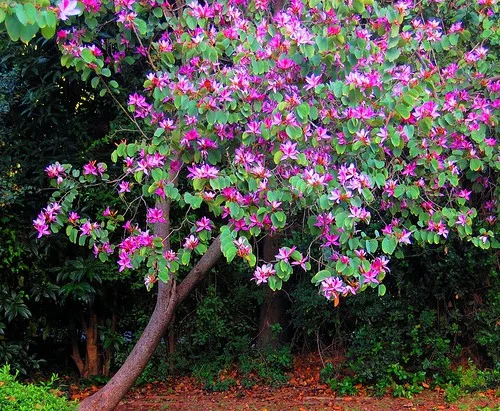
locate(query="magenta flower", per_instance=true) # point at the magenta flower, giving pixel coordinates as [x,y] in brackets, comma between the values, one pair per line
[371,277]
[203,171]
[41,226]
[191,242]
[312,81]
[68,8]
[262,274]
[124,261]
[243,247]
[284,253]
[204,224]
[73,217]
[54,170]
[289,150]
[170,255]
[88,227]
[155,215]
[331,287]
[124,187]
[301,262]
[90,168]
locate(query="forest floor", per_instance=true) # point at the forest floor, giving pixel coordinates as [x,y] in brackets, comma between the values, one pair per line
[303,392]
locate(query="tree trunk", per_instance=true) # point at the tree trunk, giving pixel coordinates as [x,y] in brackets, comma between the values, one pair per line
[91,363]
[169,296]
[93,357]
[273,308]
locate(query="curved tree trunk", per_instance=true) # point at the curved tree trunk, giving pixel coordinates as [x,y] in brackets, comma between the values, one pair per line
[108,397]
[169,296]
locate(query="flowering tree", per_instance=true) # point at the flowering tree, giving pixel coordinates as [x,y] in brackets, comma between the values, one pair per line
[369,126]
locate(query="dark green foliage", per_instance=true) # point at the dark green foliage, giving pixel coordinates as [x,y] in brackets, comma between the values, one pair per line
[441,305]
[15,396]
[488,322]
[470,380]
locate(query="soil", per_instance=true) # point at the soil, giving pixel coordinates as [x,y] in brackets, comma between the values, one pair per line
[295,399]
[303,392]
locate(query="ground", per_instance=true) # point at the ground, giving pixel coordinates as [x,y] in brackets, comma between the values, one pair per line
[293,399]
[303,392]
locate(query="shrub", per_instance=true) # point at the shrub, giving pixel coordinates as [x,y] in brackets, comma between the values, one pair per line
[15,396]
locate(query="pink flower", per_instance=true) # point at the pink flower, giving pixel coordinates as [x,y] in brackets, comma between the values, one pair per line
[170,255]
[41,226]
[90,168]
[149,280]
[54,170]
[68,8]
[191,242]
[204,224]
[124,261]
[262,274]
[312,81]
[88,227]
[155,215]
[124,187]
[331,287]
[284,253]
[243,247]
[203,171]
[302,263]
[371,277]
[73,217]
[289,150]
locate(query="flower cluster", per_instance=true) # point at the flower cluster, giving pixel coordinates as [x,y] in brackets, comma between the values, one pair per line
[368,128]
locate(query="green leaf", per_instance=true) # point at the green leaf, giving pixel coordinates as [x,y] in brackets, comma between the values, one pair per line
[163,274]
[303,110]
[476,164]
[28,32]
[30,12]
[393,54]
[87,55]
[403,110]
[72,233]
[94,82]
[425,125]
[141,25]
[48,32]
[294,132]
[21,14]
[13,27]
[389,245]
[381,290]
[371,246]
[193,201]
[320,276]
[274,283]
[277,157]
[186,257]
[358,6]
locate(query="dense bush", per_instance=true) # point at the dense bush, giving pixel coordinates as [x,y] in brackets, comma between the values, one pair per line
[15,396]
[440,308]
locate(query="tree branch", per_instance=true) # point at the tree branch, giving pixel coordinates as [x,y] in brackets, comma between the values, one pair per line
[199,271]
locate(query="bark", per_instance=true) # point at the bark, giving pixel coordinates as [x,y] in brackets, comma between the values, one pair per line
[75,355]
[169,296]
[91,363]
[92,358]
[273,308]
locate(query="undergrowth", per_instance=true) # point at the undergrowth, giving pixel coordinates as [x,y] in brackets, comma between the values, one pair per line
[15,396]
